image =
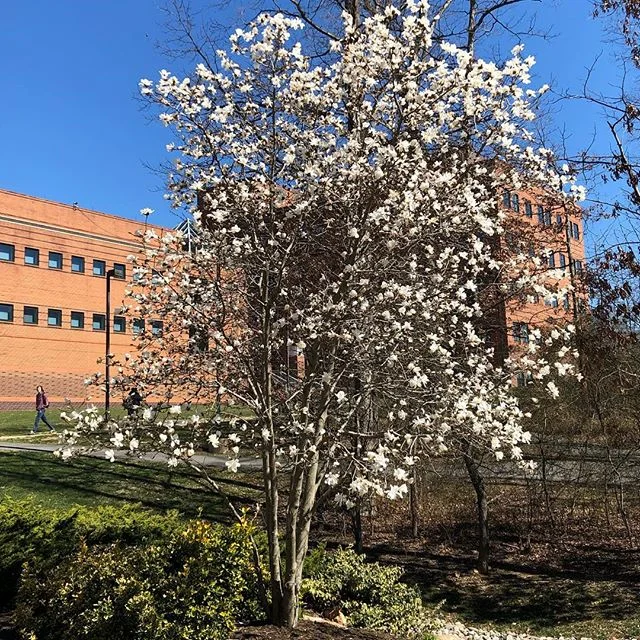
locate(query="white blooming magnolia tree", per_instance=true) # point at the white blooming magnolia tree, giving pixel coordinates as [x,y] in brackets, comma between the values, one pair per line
[349,212]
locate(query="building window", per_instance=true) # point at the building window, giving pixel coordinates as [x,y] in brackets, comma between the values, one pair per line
[565,301]
[55,260]
[7,252]
[31,256]
[547,218]
[574,230]
[98,322]
[551,260]
[77,264]
[554,302]
[30,315]
[54,317]
[198,340]
[559,221]
[156,327]
[528,209]
[521,332]
[6,313]
[77,320]
[119,324]
[523,379]
[515,202]
[577,265]
[540,214]
[99,267]
[119,271]
[138,326]
[506,198]
[563,260]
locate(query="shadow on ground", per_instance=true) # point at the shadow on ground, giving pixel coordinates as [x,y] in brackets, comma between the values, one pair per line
[583,590]
[91,481]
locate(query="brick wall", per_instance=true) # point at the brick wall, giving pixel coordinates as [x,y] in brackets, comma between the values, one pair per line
[58,357]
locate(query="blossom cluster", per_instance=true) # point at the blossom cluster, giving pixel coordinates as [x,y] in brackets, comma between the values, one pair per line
[347,213]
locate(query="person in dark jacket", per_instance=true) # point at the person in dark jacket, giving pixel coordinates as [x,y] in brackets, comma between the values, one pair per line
[132,402]
[42,403]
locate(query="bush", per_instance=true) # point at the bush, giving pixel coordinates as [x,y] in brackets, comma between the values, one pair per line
[369,594]
[195,586]
[46,536]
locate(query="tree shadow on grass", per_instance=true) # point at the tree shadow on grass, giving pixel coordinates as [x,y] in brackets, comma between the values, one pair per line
[150,484]
[581,592]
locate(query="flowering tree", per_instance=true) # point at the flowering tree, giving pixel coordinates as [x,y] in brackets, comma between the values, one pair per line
[347,211]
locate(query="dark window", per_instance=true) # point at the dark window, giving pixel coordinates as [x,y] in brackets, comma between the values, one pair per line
[7,252]
[6,313]
[156,327]
[578,266]
[523,379]
[55,260]
[563,260]
[540,214]
[528,209]
[565,301]
[30,315]
[99,267]
[554,302]
[559,221]
[198,340]
[119,324]
[552,260]
[54,318]
[547,218]
[31,256]
[515,202]
[77,264]
[506,198]
[119,271]
[138,326]
[98,322]
[575,231]
[521,332]
[77,320]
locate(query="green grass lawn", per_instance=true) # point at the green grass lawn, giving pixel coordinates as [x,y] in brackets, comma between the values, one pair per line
[92,481]
[20,423]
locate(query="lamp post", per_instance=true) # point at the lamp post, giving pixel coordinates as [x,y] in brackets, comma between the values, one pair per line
[107,351]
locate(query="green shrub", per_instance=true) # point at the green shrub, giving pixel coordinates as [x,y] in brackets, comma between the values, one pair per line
[193,587]
[369,594]
[45,536]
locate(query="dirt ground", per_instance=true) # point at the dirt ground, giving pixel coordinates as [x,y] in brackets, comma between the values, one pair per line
[308,629]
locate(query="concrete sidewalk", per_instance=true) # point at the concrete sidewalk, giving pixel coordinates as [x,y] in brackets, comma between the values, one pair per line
[203,459]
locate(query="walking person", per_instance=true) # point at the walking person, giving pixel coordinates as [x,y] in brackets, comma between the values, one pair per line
[42,402]
[132,402]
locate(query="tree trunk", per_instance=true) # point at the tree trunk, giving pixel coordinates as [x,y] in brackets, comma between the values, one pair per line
[356,525]
[413,504]
[473,468]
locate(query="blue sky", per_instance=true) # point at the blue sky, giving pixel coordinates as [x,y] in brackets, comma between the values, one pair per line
[71,126]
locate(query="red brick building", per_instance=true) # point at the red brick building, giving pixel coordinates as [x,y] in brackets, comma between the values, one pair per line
[53,264]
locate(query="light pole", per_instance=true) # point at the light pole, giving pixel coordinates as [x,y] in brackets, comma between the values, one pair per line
[107,350]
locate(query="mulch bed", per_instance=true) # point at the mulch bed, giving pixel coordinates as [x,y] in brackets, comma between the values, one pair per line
[308,629]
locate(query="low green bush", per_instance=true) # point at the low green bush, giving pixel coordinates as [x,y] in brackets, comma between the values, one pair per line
[46,536]
[194,586]
[368,594]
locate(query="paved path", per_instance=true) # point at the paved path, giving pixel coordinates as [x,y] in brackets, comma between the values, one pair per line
[204,459]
